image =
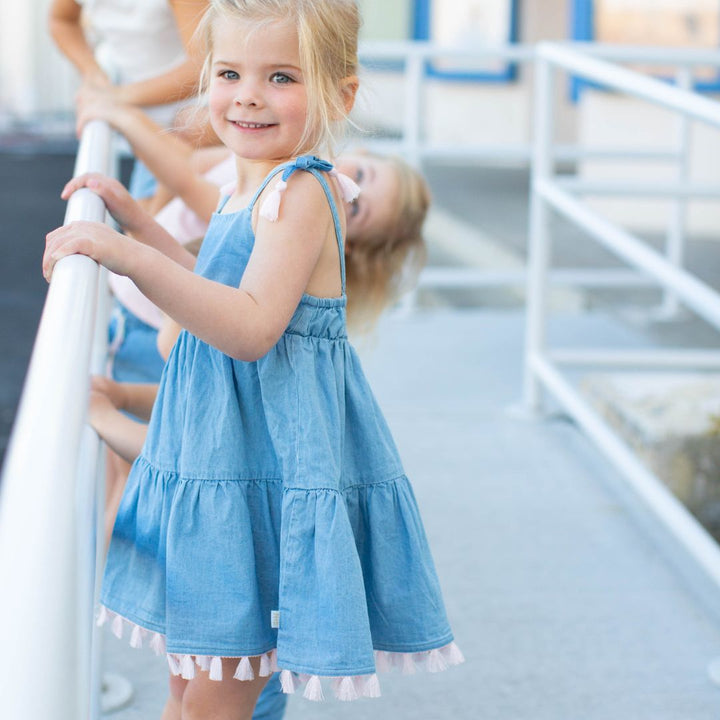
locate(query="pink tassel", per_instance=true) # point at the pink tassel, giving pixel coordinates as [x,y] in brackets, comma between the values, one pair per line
[372,687]
[408,664]
[216,669]
[273,661]
[271,205]
[314,690]
[345,689]
[136,637]
[436,662]
[102,617]
[265,665]
[452,654]
[173,664]
[117,627]
[349,189]
[188,667]
[244,670]
[157,643]
[383,661]
[287,682]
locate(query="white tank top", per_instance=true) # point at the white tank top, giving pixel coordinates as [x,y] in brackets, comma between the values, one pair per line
[138,39]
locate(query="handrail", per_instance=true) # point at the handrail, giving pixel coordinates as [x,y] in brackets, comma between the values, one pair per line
[587,57]
[542,371]
[48,527]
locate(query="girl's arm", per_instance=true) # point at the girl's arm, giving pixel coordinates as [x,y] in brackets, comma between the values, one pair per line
[180,82]
[135,398]
[128,213]
[65,28]
[242,322]
[107,398]
[168,158]
[122,434]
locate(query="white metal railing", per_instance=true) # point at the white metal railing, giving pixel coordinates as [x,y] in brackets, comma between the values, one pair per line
[51,493]
[415,145]
[544,366]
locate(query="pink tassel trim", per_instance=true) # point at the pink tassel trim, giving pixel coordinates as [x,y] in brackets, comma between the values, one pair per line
[345,688]
[349,189]
[271,205]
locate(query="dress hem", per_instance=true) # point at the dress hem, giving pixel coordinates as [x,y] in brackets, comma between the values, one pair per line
[344,687]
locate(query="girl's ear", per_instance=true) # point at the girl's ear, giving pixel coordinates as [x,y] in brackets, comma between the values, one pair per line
[348,88]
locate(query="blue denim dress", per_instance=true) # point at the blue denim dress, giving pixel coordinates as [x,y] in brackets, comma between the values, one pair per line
[268,514]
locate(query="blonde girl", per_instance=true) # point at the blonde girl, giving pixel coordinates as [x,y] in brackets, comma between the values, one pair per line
[268,524]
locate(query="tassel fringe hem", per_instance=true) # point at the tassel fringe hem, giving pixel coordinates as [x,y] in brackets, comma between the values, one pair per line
[344,688]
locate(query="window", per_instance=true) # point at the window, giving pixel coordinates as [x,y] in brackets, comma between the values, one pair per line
[472,24]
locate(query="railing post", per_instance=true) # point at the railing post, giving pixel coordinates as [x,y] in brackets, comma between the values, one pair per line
[675,240]
[412,126]
[539,230]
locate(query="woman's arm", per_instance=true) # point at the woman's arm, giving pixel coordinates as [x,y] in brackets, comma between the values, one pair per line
[67,32]
[180,82]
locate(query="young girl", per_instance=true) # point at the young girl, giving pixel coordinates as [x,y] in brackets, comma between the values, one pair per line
[268,524]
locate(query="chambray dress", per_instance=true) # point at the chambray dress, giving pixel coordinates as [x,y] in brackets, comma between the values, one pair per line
[268,513]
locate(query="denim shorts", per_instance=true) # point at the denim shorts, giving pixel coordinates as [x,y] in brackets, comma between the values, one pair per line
[133,348]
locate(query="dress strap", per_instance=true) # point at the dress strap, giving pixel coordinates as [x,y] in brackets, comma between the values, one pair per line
[314,165]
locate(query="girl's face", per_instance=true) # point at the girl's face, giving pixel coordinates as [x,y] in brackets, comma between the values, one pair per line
[374,210]
[257,98]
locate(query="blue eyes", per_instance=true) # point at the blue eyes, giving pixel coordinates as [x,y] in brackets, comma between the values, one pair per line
[281,79]
[276,78]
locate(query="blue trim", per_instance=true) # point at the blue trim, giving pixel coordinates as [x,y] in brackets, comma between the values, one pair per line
[583,29]
[422,30]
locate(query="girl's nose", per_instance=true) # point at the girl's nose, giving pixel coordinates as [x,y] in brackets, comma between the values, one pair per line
[246,95]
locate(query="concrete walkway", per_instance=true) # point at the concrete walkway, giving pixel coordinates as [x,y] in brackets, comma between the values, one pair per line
[564,593]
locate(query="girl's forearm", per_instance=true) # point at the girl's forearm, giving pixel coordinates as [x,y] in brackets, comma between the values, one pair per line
[122,434]
[225,317]
[169,160]
[154,236]
[139,398]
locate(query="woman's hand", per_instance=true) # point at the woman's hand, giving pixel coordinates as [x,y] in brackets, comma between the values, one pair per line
[115,251]
[121,205]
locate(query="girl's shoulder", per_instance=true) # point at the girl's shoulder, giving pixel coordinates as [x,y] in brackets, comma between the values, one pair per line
[307,184]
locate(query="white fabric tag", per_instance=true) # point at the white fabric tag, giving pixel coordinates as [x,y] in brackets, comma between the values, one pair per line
[274,618]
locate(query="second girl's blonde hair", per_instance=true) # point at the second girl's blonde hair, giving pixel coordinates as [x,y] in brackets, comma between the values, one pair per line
[328,39]
[381,267]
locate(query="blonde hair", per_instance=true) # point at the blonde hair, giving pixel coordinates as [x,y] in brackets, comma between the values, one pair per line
[386,264]
[328,38]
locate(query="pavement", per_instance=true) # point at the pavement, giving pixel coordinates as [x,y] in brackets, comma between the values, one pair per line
[567,597]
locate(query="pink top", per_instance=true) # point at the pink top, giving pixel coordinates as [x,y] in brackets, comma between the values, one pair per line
[185,226]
